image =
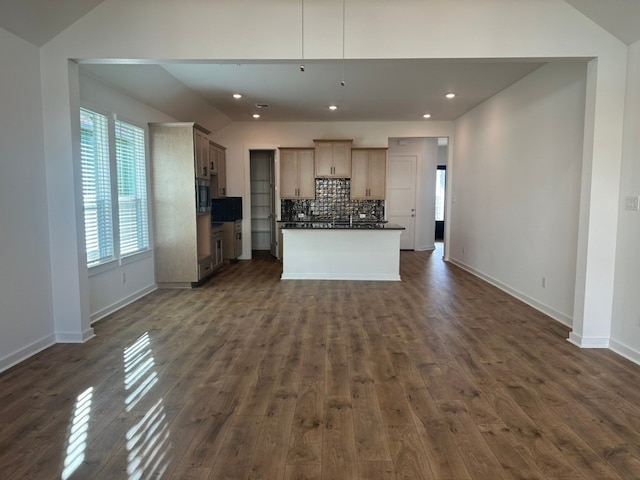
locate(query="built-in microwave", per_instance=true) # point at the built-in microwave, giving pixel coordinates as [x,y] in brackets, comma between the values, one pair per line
[203,196]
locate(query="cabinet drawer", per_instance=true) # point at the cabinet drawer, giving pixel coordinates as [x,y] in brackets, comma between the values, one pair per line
[205,267]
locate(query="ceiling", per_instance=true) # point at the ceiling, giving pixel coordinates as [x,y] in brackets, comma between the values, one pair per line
[403,90]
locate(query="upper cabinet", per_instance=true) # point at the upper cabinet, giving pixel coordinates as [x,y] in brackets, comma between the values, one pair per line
[297,179]
[368,173]
[218,162]
[333,158]
[213,158]
[201,152]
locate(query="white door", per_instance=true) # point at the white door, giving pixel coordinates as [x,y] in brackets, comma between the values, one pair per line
[401,196]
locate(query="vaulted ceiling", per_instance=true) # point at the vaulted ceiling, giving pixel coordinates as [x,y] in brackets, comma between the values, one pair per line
[404,90]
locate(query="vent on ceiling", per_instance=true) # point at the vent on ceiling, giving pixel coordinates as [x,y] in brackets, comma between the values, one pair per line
[262,105]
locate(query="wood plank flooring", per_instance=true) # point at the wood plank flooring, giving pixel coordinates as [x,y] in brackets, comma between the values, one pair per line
[440,376]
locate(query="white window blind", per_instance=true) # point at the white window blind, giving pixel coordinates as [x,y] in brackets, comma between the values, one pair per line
[132,188]
[96,186]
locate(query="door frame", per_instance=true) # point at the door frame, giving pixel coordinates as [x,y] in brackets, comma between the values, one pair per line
[246,202]
[415,192]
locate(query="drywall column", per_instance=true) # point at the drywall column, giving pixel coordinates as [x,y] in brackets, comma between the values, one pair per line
[597,231]
[69,275]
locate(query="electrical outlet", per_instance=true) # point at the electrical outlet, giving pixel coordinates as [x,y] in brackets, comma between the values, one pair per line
[632,203]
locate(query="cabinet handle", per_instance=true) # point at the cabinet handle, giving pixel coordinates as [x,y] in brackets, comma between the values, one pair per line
[204,170]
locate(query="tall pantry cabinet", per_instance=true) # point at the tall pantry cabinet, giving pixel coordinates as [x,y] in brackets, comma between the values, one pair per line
[180,161]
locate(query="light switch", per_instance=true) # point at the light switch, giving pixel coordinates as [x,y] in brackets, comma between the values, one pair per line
[632,203]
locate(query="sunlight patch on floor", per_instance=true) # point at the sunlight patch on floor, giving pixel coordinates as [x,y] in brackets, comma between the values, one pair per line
[78,434]
[148,440]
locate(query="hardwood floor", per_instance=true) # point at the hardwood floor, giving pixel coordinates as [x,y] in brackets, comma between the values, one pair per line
[440,376]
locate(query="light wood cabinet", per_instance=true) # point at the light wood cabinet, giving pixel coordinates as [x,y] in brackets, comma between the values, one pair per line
[368,173]
[217,251]
[232,239]
[213,158]
[182,236]
[201,153]
[333,158]
[297,179]
[219,170]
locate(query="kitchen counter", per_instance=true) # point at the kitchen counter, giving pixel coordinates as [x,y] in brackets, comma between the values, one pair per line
[314,225]
[341,251]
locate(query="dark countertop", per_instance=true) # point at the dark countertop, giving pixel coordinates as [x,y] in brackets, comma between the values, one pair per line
[340,226]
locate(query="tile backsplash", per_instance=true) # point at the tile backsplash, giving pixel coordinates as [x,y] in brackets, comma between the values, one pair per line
[332,202]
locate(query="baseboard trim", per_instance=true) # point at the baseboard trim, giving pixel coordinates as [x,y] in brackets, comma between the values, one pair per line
[100,314]
[74,337]
[625,351]
[557,316]
[588,342]
[383,277]
[26,352]
[425,248]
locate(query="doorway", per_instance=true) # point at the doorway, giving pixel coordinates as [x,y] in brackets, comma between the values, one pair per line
[441,182]
[263,215]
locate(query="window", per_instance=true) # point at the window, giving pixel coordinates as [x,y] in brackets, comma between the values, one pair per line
[96,187]
[132,188]
[113,153]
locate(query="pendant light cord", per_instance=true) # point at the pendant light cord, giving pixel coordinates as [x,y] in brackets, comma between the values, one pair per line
[342,82]
[302,39]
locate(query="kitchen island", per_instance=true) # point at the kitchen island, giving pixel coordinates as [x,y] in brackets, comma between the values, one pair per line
[341,251]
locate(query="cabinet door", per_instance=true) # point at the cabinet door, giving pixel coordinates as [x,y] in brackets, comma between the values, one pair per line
[238,244]
[288,174]
[359,174]
[377,174]
[201,154]
[306,175]
[222,173]
[324,159]
[213,159]
[219,258]
[342,159]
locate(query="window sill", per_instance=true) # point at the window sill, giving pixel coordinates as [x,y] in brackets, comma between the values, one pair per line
[103,267]
[115,263]
[135,257]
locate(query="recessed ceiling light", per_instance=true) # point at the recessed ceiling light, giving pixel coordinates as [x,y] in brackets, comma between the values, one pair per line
[427,115]
[237,95]
[333,107]
[256,115]
[450,95]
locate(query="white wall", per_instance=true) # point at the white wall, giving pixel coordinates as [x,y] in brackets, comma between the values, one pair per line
[26,318]
[240,137]
[443,153]
[516,187]
[626,308]
[117,284]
